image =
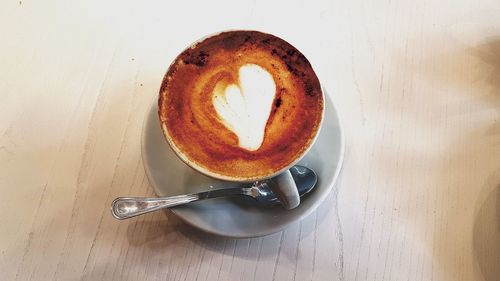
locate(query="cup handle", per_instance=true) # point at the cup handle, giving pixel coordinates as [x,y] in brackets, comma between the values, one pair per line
[286,190]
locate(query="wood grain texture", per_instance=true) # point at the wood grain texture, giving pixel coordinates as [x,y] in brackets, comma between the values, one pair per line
[416,82]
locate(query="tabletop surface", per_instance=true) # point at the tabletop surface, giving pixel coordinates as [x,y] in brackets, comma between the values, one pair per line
[417,84]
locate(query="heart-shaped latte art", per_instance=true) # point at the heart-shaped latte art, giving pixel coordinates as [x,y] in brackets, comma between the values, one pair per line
[245,108]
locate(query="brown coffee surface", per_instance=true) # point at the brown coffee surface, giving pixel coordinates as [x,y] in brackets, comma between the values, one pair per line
[192,125]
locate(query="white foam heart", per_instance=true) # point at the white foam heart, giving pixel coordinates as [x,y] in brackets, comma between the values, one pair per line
[244,108]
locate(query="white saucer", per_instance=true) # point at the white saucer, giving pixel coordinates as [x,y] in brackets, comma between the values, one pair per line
[238,217]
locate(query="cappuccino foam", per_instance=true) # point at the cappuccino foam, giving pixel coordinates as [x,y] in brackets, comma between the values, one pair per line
[240,105]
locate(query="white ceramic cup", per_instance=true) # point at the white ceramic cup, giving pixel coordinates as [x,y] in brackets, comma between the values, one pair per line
[284,187]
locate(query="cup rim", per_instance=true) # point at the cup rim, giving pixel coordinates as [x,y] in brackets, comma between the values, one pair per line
[184,158]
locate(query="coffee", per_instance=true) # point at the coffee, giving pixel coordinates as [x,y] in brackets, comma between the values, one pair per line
[240,105]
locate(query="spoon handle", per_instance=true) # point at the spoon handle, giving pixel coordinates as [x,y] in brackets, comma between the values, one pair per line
[127,207]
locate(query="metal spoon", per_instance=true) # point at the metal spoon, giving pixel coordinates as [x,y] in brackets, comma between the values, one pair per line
[127,207]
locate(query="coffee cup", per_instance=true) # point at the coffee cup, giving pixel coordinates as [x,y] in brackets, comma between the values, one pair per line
[242,106]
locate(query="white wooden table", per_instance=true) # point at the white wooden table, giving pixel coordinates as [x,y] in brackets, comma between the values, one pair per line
[416,82]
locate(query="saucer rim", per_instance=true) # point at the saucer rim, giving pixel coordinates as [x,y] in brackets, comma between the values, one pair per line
[270,231]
